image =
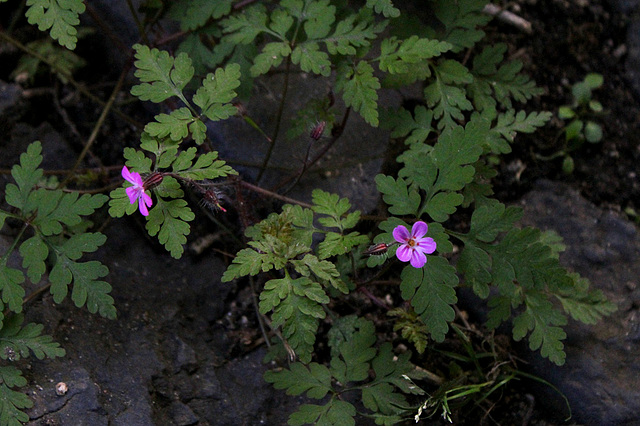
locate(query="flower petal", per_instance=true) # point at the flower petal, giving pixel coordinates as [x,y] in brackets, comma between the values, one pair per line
[419,229]
[133,193]
[404,253]
[126,174]
[425,245]
[143,207]
[418,259]
[401,234]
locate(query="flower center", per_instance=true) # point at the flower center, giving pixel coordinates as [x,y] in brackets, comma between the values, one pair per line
[411,242]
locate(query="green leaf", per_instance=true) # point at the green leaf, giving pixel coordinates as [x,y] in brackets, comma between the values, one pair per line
[161,75]
[12,291]
[20,341]
[176,125]
[56,207]
[336,244]
[540,318]
[335,208]
[325,271]
[320,16]
[271,56]
[12,402]
[592,132]
[416,128]
[444,96]
[401,199]
[34,252]
[87,288]
[395,56]
[246,262]
[207,166]
[311,59]
[489,220]
[315,379]
[354,345]
[431,292]
[59,16]
[334,413]
[217,92]
[199,12]
[359,90]
[169,220]
[510,123]
[243,28]
[26,174]
[353,32]
[461,21]
[385,7]
[584,304]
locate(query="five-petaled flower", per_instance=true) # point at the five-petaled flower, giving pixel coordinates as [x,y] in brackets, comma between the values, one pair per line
[136,192]
[414,246]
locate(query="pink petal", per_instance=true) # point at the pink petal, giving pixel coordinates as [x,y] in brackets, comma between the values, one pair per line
[419,229]
[425,245]
[133,194]
[418,259]
[401,235]
[404,253]
[126,174]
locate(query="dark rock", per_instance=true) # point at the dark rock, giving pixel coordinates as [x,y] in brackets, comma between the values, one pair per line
[182,415]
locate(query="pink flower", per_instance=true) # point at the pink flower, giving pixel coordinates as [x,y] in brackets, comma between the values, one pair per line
[136,192]
[414,246]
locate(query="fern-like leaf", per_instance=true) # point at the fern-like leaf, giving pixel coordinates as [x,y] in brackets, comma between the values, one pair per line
[59,16]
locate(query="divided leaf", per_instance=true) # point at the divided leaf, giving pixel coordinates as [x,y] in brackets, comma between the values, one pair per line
[161,75]
[359,90]
[60,16]
[169,220]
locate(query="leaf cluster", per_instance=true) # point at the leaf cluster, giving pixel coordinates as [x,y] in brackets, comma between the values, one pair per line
[283,242]
[356,365]
[53,239]
[164,77]
[53,215]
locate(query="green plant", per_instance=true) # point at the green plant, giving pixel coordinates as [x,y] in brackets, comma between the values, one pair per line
[582,112]
[307,258]
[53,237]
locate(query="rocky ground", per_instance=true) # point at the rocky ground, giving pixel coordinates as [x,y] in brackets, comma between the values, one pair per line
[186,350]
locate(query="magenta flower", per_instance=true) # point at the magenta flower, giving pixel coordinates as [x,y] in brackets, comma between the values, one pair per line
[136,192]
[414,246]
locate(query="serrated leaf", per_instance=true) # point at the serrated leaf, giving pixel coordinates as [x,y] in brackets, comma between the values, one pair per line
[351,33]
[336,244]
[385,7]
[320,17]
[315,379]
[59,16]
[403,124]
[489,220]
[56,208]
[431,292]
[311,59]
[87,288]
[34,252]
[334,413]
[198,12]
[395,55]
[12,402]
[324,270]
[246,262]
[26,174]
[169,220]
[401,199]
[359,90]
[243,28]
[161,75]
[461,21]
[271,56]
[355,351]
[584,304]
[445,96]
[21,340]
[217,92]
[542,320]
[175,125]
[509,124]
[12,291]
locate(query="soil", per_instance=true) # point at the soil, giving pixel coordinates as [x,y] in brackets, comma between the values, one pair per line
[187,349]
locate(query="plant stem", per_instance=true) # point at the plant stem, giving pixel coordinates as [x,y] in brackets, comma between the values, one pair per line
[274,136]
